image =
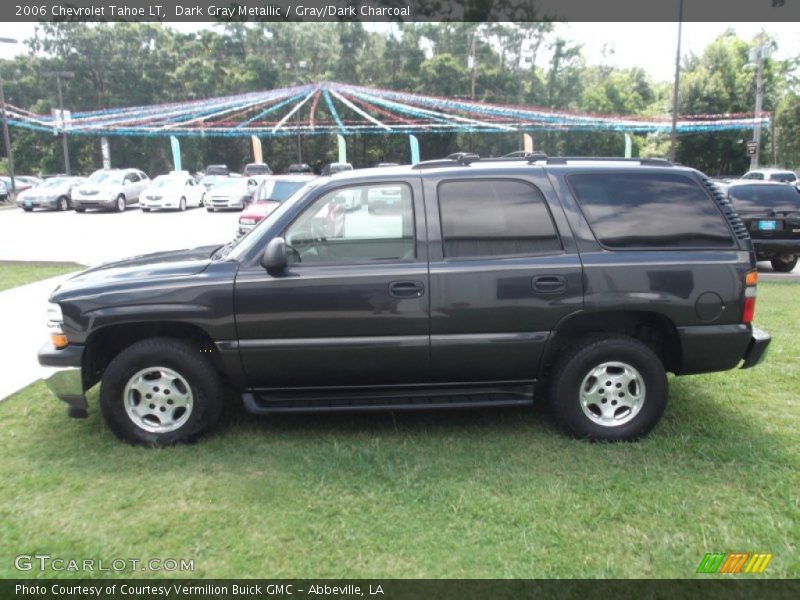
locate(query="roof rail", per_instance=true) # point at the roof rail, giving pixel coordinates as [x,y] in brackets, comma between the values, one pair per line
[650,162]
[463,159]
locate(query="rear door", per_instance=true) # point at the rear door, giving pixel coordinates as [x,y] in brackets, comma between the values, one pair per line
[501,275]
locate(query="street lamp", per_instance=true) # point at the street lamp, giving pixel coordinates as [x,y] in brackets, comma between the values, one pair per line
[59,75]
[673,139]
[756,59]
[6,138]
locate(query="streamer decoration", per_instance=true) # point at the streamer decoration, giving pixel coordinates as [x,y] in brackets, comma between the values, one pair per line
[349,110]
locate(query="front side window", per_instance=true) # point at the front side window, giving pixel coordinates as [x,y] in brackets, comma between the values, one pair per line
[355,224]
[495,218]
[753,175]
[649,210]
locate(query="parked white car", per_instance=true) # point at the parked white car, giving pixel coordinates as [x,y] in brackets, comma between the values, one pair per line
[231,192]
[178,190]
[111,189]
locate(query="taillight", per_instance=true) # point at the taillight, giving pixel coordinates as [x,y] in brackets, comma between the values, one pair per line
[749,308]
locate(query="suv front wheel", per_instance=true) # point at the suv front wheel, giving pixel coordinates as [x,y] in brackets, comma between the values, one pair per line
[159,392]
[608,388]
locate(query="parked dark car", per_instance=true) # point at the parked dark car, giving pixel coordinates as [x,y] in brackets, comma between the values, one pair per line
[771,213]
[333,168]
[217,170]
[299,168]
[251,169]
[490,279]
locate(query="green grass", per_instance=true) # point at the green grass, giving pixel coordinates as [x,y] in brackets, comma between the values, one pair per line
[454,494]
[16,273]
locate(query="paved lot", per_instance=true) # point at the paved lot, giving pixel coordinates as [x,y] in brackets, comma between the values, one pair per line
[95,237]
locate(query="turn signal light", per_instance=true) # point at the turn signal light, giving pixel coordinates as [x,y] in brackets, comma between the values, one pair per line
[59,340]
[751,278]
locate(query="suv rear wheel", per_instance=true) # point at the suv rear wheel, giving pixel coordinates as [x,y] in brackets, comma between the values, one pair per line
[159,392]
[784,263]
[608,388]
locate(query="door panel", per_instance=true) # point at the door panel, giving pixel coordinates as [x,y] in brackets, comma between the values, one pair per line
[324,322]
[492,306]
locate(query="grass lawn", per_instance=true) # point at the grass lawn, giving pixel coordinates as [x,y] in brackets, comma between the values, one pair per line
[453,494]
[14,274]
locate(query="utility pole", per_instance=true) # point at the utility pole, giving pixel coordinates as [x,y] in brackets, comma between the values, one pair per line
[673,140]
[757,56]
[59,75]
[472,65]
[6,137]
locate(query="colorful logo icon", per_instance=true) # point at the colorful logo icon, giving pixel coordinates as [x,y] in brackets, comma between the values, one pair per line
[734,562]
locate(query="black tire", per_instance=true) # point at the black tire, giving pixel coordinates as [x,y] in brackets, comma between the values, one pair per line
[145,209]
[785,263]
[78,209]
[209,209]
[575,366]
[27,209]
[184,359]
[182,204]
[62,203]
[120,204]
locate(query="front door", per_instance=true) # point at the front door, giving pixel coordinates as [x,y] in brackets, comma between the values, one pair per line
[352,307]
[501,276]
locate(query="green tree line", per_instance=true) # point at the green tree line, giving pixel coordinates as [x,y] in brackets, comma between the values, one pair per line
[125,64]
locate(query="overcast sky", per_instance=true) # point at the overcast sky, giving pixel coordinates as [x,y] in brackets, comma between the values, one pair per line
[647,45]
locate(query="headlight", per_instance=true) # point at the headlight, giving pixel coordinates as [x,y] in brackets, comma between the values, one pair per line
[55,322]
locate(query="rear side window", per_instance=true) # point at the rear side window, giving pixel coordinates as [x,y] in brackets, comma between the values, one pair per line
[495,218]
[649,210]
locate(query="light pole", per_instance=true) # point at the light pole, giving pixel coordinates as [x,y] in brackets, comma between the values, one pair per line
[59,75]
[757,56]
[6,137]
[673,140]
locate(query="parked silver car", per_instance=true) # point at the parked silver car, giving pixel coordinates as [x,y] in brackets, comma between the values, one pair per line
[54,193]
[111,189]
[231,192]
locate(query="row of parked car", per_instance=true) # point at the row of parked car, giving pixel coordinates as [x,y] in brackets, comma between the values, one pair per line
[217,188]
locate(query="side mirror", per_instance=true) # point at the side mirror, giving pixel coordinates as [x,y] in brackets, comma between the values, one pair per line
[274,257]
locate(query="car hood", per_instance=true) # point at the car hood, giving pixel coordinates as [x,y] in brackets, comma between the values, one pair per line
[145,268]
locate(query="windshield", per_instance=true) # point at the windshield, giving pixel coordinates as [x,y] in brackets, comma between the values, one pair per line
[764,197]
[163,181]
[238,248]
[258,169]
[230,182]
[217,171]
[105,177]
[51,183]
[278,191]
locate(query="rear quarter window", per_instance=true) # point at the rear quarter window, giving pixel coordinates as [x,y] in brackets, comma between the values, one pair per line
[649,210]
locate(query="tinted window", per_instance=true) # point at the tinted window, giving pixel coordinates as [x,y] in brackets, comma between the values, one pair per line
[754,175]
[783,177]
[649,210]
[759,197]
[355,224]
[495,218]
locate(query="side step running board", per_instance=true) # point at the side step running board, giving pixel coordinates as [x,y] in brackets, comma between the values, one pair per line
[265,403]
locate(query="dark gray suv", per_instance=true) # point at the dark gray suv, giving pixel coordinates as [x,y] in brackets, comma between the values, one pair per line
[486,281]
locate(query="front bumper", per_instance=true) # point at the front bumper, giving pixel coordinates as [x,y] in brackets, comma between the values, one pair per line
[94,202]
[757,350]
[38,203]
[64,376]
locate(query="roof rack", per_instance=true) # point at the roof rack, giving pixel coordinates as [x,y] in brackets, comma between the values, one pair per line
[465,159]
